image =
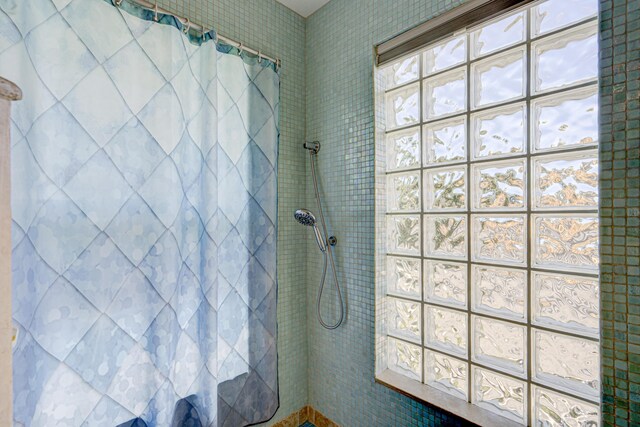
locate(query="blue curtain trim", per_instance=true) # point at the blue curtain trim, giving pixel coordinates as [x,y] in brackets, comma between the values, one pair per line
[194,38]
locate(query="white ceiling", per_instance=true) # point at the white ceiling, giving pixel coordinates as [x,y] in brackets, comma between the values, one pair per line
[304,7]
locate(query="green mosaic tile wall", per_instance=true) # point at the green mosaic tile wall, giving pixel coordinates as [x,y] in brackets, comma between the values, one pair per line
[340,40]
[340,114]
[278,32]
[620,210]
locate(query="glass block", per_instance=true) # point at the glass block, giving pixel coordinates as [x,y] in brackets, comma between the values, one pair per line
[565,59]
[403,234]
[555,14]
[447,54]
[403,276]
[403,149]
[445,189]
[446,330]
[445,236]
[402,72]
[567,363]
[445,283]
[499,345]
[499,239]
[566,181]
[445,94]
[499,132]
[403,192]
[498,79]
[566,302]
[566,242]
[499,394]
[405,358]
[403,319]
[403,106]
[499,185]
[498,34]
[446,373]
[446,141]
[566,120]
[551,408]
[499,291]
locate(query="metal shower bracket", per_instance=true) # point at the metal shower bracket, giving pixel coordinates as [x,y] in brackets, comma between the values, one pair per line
[313,146]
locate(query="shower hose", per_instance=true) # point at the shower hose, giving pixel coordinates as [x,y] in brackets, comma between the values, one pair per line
[328,253]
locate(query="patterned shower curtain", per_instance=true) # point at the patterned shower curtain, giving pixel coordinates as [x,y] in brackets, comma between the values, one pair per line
[144,220]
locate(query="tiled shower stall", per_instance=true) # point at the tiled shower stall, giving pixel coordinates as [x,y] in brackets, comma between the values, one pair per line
[327,95]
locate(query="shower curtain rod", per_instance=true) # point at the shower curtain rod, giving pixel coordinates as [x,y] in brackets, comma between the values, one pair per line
[191,25]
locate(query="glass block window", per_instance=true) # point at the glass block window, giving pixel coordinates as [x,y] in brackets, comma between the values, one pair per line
[487,214]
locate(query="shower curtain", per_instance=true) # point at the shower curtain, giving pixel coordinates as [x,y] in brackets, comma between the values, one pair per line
[144,220]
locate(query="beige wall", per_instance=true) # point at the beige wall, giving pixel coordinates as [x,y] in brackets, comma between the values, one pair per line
[8,92]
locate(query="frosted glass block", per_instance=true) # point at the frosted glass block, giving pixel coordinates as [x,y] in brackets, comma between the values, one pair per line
[565,59]
[403,149]
[403,276]
[567,363]
[403,319]
[403,192]
[445,283]
[566,302]
[499,291]
[498,79]
[498,34]
[499,185]
[551,408]
[499,239]
[499,394]
[405,358]
[446,373]
[447,54]
[403,71]
[402,106]
[445,189]
[566,242]
[555,14]
[445,94]
[445,236]
[499,132]
[566,120]
[403,234]
[445,141]
[446,330]
[499,345]
[566,181]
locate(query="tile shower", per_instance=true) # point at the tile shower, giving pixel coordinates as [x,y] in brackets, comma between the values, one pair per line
[326,94]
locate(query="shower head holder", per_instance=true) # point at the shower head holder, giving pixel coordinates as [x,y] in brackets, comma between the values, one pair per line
[313,146]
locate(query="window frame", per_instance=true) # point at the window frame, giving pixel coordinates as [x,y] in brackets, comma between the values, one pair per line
[458,21]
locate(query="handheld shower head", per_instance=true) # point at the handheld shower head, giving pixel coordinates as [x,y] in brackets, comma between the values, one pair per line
[306,217]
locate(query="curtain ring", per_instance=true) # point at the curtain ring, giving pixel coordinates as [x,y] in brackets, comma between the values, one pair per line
[187,26]
[155,12]
[259,57]
[240,49]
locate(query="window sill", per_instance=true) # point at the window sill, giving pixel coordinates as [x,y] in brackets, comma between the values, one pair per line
[441,400]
